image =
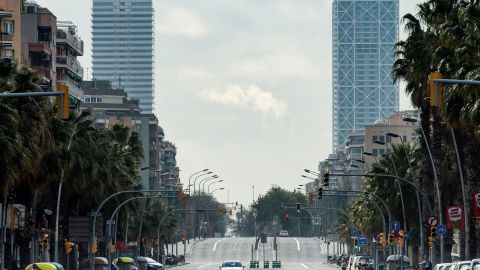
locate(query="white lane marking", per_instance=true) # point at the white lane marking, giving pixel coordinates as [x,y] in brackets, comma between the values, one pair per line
[235,246]
[298,244]
[200,267]
[304,266]
[216,243]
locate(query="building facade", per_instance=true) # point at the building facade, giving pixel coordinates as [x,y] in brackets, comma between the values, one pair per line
[38,31]
[10,29]
[122,40]
[364,34]
[394,124]
[69,47]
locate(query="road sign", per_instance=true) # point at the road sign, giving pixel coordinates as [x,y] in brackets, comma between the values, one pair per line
[441,230]
[406,235]
[395,226]
[362,240]
[432,221]
[354,232]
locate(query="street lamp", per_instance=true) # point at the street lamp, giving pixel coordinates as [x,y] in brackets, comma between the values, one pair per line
[437,186]
[218,181]
[420,218]
[189,178]
[203,186]
[196,177]
[216,190]
[312,172]
[308,177]
[208,178]
[399,188]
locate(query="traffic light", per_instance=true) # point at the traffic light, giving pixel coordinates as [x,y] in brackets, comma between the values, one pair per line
[68,247]
[45,240]
[382,240]
[433,232]
[436,97]
[391,239]
[310,198]
[94,245]
[286,216]
[430,241]
[320,193]
[66,102]
[401,238]
[355,244]
[298,207]
[326,178]
[184,240]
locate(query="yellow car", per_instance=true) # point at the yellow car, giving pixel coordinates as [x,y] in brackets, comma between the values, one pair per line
[45,266]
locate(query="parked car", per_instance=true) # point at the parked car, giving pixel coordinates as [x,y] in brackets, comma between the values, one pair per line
[441,266]
[462,265]
[124,263]
[146,263]
[283,233]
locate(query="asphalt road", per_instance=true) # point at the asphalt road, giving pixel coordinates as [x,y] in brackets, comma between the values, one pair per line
[295,253]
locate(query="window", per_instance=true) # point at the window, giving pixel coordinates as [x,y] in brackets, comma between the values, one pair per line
[8,27]
[87,100]
[375,152]
[374,138]
[381,138]
[389,139]
[381,151]
[404,138]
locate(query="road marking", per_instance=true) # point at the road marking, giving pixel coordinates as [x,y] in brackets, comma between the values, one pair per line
[235,246]
[200,267]
[216,243]
[298,244]
[304,266]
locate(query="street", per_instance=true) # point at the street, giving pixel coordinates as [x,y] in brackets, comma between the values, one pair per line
[294,253]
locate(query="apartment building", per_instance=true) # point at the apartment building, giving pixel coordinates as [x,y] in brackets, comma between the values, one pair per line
[69,46]
[38,35]
[10,29]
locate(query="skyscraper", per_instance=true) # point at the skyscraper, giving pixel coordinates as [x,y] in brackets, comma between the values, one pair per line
[122,40]
[364,35]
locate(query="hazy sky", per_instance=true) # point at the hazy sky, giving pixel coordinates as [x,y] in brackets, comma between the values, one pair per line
[243,87]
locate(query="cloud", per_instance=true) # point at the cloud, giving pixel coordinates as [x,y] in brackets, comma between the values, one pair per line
[250,97]
[181,22]
[274,66]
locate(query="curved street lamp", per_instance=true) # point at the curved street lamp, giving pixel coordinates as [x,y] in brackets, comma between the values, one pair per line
[216,190]
[201,181]
[204,182]
[196,177]
[208,187]
[204,170]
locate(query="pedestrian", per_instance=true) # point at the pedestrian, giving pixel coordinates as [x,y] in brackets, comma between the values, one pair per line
[427,265]
[344,265]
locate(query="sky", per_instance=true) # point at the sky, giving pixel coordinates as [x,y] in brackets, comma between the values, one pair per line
[242,87]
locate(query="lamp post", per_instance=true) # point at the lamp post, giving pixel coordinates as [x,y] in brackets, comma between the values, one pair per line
[203,186]
[420,219]
[437,184]
[218,181]
[216,190]
[190,178]
[201,181]
[196,177]
[404,250]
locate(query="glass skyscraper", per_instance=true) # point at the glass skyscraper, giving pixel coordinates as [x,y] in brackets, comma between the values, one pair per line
[122,40]
[364,35]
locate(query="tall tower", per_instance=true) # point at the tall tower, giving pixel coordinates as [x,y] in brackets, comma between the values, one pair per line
[122,40]
[364,35]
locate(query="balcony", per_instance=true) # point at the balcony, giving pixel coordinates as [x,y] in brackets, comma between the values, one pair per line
[70,66]
[41,46]
[6,40]
[71,40]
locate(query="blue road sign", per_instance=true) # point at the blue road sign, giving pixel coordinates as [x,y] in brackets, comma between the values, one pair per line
[354,232]
[406,235]
[396,226]
[441,230]
[362,240]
